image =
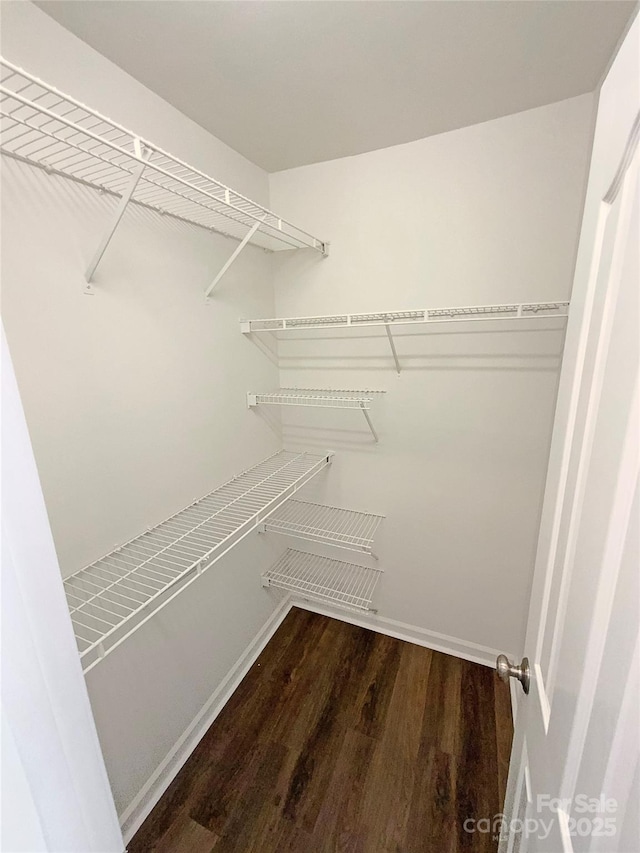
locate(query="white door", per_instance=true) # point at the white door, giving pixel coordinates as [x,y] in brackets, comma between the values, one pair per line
[55,790]
[573,782]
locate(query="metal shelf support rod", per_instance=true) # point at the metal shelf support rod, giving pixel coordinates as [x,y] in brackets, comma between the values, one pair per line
[234,255]
[117,215]
[393,348]
[368,419]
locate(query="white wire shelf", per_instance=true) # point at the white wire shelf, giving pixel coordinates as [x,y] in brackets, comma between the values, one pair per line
[509,311]
[331,525]
[333,398]
[322,398]
[114,596]
[46,128]
[421,316]
[311,576]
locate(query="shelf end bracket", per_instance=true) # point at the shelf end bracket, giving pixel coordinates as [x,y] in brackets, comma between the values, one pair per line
[234,255]
[117,214]
[368,420]
[393,347]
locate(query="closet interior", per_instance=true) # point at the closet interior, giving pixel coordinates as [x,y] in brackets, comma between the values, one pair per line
[118,593]
[213,346]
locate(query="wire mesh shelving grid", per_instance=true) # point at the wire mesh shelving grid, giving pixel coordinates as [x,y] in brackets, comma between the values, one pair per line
[509,311]
[347,528]
[320,398]
[315,397]
[323,579]
[46,128]
[114,596]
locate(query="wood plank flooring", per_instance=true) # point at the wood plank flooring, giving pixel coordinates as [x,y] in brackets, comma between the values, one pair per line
[343,740]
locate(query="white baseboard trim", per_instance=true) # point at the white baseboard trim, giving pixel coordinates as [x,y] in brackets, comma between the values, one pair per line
[464,649]
[135,814]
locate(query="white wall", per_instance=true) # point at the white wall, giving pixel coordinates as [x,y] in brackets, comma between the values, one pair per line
[485,214]
[136,397]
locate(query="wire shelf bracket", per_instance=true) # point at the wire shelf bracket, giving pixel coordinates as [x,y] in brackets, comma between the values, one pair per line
[117,215]
[43,127]
[320,398]
[346,585]
[422,316]
[114,596]
[247,237]
[393,348]
[330,525]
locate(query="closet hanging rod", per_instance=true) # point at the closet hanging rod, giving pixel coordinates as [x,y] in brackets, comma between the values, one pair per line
[506,311]
[47,128]
[117,594]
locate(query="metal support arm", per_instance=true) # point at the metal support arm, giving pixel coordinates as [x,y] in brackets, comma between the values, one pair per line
[116,216]
[393,348]
[235,254]
[368,420]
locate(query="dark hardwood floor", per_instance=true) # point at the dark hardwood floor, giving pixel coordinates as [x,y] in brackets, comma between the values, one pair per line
[341,739]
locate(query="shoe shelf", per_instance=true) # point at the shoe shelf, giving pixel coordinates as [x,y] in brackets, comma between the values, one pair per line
[330,525]
[323,579]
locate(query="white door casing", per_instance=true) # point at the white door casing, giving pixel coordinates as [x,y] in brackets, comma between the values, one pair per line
[576,733]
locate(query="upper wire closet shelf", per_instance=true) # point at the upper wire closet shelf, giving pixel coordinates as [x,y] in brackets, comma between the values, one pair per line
[46,128]
[509,311]
[114,596]
[421,316]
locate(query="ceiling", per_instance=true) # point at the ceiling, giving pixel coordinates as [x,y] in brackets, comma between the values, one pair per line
[291,83]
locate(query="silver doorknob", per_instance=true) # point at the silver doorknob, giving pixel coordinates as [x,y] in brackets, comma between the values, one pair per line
[507,670]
